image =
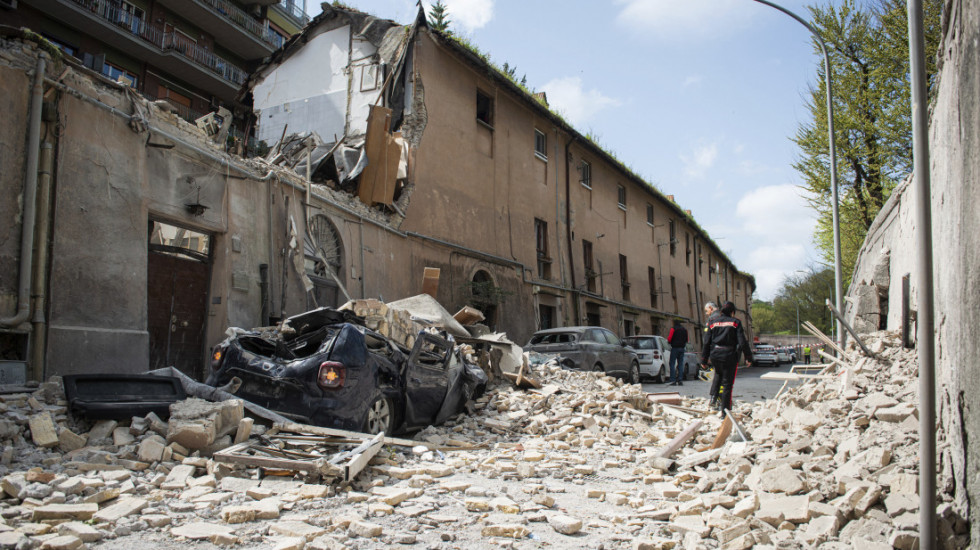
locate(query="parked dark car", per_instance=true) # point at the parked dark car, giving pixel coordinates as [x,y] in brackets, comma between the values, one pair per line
[325,368]
[589,349]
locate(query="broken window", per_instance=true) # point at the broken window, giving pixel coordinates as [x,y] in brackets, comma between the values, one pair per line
[651,276]
[624,277]
[673,238]
[119,74]
[588,260]
[484,108]
[586,169]
[649,214]
[540,144]
[621,194]
[180,241]
[541,244]
[370,77]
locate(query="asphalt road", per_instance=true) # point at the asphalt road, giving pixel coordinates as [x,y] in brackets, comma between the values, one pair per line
[749,386]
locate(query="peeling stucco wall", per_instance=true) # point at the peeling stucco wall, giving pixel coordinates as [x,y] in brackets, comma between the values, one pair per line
[954,136]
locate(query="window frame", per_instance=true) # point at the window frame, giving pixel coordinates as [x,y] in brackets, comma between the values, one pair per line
[654,293]
[585,173]
[541,248]
[488,113]
[542,138]
[621,196]
[650,217]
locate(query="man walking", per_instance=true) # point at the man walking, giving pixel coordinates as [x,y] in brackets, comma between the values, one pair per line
[724,342]
[710,312]
[806,355]
[677,338]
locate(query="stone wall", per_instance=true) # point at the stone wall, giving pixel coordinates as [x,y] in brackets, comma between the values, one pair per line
[890,252]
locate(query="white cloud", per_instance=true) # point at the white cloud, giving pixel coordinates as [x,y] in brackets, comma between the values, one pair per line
[698,162]
[469,15]
[673,18]
[692,80]
[568,97]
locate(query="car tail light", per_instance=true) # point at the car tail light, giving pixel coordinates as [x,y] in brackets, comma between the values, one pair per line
[217,356]
[656,355]
[332,375]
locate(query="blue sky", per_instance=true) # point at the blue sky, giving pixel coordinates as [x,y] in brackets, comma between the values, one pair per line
[699,97]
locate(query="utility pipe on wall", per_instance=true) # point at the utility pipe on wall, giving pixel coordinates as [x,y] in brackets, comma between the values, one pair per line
[925,334]
[39,322]
[30,199]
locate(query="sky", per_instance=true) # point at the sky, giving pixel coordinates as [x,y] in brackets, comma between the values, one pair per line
[698,97]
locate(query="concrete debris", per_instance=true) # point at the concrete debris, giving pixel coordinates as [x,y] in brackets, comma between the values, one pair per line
[584,461]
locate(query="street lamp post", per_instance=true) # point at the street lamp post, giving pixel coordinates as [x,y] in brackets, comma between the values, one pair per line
[835,203]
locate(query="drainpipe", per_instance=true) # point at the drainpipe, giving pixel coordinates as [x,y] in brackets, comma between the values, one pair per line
[39,332]
[30,199]
[568,229]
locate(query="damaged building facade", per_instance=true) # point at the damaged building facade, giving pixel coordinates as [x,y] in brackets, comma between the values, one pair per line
[134,241]
[468,173]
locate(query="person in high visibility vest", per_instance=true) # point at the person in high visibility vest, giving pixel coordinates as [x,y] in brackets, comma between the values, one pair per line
[806,355]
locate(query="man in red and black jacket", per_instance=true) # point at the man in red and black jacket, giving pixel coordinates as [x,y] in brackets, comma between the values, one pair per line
[724,341]
[677,338]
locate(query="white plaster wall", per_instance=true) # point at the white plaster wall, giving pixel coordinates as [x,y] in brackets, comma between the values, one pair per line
[309,90]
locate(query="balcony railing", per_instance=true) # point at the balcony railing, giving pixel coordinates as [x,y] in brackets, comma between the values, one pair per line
[166,41]
[295,11]
[239,17]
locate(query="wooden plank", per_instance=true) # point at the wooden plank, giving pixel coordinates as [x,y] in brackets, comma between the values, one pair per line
[244,429]
[319,430]
[376,149]
[723,432]
[792,376]
[430,281]
[362,455]
[384,182]
[469,315]
[680,440]
[738,429]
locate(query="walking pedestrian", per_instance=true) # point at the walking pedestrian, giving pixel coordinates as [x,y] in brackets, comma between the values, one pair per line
[710,312]
[724,343]
[677,338]
[806,355]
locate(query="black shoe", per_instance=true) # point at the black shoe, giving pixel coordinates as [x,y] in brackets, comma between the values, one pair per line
[680,383]
[672,384]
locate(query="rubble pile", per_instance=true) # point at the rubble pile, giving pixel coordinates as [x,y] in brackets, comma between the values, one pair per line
[584,461]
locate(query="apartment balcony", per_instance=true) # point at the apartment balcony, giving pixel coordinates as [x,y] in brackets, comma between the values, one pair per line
[230,25]
[291,9]
[169,51]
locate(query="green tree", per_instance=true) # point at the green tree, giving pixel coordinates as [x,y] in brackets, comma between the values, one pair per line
[439,17]
[868,49]
[803,293]
[763,318]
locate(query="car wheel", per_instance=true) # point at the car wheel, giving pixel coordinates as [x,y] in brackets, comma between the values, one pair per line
[598,368]
[380,416]
[634,373]
[661,375]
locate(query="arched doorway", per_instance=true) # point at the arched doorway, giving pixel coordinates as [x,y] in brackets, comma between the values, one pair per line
[485,296]
[324,260]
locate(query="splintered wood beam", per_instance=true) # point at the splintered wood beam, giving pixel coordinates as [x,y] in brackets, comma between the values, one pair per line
[680,440]
[723,432]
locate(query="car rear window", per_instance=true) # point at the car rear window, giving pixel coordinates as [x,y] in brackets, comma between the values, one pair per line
[641,343]
[553,338]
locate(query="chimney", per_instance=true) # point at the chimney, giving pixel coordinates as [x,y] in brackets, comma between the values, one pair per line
[670,198]
[689,213]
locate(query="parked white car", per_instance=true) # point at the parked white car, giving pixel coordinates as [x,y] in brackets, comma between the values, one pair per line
[654,353]
[783,355]
[765,355]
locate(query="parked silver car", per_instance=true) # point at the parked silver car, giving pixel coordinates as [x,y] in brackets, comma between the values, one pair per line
[589,349]
[765,355]
[653,353]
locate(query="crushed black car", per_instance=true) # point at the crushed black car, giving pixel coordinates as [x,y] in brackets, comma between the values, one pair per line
[324,367]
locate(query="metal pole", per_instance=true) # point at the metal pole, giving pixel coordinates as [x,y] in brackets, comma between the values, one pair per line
[925,339]
[835,202]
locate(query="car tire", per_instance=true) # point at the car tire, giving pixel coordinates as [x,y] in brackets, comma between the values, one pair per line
[598,368]
[661,375]
[380,416]
[634,376]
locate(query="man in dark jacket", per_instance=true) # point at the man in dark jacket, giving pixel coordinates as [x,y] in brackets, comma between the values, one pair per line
[677,338]
[723,343]
[710,312]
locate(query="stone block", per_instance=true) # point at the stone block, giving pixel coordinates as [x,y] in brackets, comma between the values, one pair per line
[85,532]
[197,424]
[733,532]
[121,509]
[297,529]
[897,413]
[201,530]
[505,505]
[70,441]
[690,524]
[507,530]
[566,525]
[62,542]
[781,479]
[43,432]
[152,449]
[14,484]
[177,478]
[102,496]
[101,431]
[238,514]
[290,543]
[365,529]
[121,436]
[744,542]
[77,512]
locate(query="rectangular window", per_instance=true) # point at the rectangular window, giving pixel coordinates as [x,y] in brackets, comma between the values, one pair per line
[690,300]
[624,277]
[541,245]
[119,74]
[370,77]
[649,214]
[589,261]
[540,144]
[700,261]
[586,169]
[484,108]
[651,276]
[621,194]
[673,291]
[673,239]
[687,248]
[629,327]
[711,268]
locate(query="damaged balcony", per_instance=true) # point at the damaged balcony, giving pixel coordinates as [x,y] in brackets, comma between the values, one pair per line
[229,24]
[170,51]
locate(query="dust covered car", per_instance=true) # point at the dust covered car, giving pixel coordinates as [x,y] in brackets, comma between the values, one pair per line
[324,367]
[588,348]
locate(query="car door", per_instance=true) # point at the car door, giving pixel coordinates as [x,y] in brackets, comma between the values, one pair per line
[426,378]
[595,348]
[618,351]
